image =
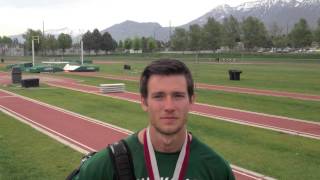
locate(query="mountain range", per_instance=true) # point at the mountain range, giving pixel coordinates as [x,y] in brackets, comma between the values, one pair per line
[285,13]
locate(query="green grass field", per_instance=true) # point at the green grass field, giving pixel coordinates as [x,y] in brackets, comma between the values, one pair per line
[28,154]
[290,72]
[302,78]
[271,153]
[307,110]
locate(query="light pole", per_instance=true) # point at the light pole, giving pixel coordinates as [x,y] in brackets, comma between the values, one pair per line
[81,44]
[34,38]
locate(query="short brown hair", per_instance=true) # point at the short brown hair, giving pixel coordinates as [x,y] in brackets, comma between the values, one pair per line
[166,67]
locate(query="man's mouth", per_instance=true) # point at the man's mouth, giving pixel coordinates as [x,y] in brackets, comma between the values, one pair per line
[168,117]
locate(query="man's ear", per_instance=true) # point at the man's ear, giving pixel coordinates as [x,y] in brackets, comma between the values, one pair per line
[144,103]
[193,99]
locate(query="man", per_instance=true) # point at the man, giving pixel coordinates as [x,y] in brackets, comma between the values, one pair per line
[165,149]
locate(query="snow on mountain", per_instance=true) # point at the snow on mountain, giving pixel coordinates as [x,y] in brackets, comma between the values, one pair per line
[283,12]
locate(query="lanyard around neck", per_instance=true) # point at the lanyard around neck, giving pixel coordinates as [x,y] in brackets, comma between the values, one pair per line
[151,162]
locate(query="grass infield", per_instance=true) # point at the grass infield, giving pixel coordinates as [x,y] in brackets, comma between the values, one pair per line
[271,153]
[301,78]
[26,153]
[289,72]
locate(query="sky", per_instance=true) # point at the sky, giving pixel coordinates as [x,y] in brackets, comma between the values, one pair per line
[16,16]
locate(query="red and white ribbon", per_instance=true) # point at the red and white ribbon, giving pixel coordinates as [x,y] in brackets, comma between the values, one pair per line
[151,161]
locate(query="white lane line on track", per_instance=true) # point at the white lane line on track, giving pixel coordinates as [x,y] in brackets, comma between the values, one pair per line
[45,130]
[245,111]
[273,128]
[4,97]
[111,126]
[257,113]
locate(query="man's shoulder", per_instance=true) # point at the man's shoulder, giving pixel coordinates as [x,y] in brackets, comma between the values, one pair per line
[202,151]
[100,164]
[208,161]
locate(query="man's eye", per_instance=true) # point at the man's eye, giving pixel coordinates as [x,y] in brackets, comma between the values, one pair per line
[157,96]
[179,96]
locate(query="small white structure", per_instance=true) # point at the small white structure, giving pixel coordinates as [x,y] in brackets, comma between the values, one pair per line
[69,67]
[110,88]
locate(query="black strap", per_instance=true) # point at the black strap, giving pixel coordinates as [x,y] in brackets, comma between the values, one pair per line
[122,160]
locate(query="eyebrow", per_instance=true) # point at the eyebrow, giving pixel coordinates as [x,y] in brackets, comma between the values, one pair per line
[175,92]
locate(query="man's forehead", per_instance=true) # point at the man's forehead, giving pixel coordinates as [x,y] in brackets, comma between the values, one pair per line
[175,83]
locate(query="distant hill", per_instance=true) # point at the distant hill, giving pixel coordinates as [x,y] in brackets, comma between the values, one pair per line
[131,29]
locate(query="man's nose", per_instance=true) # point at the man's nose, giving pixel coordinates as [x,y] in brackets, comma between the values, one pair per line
[169,104]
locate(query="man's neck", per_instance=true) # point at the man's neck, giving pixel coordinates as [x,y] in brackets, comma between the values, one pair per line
[165,143]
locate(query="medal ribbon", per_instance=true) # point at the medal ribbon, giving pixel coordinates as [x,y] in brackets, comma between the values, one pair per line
[151,162]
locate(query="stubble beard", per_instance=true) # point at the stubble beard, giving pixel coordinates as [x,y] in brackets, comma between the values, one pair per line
[170,132]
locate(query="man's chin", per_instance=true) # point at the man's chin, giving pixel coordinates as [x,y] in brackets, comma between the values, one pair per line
[168,131]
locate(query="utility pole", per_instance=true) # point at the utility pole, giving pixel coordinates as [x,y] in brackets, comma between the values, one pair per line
[81,44]
[34,38]
[44,51]
[170,34]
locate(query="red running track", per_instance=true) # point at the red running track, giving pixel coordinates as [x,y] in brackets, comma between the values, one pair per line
[291,95]
[74,129]
[277,123]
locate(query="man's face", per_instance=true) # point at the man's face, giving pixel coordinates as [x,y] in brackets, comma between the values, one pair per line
[167,103]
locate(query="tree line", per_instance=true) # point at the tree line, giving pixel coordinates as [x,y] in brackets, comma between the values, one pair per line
[49,43]
[92,41]
[211,36]
[251,32]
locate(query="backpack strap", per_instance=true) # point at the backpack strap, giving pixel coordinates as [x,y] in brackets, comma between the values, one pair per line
[122,161]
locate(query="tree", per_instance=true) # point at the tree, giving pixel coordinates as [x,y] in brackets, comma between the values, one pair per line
[144,44]
[279,40]
[230,32]
[64,42]
[114,45]
[300,36]
[194,37]
[28,40]
[317,33]
[97,40]
[88,42]
[152,45]
[107,42]
[254,33]
[120,45]
[212,34]
[6,40]
[275,30]
[51,42]
[127,43]
[136,44]
[179,39]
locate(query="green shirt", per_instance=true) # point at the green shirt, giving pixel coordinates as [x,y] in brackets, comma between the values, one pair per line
[204,163]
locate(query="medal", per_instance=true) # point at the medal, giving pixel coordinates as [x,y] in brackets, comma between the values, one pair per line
[151,161]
